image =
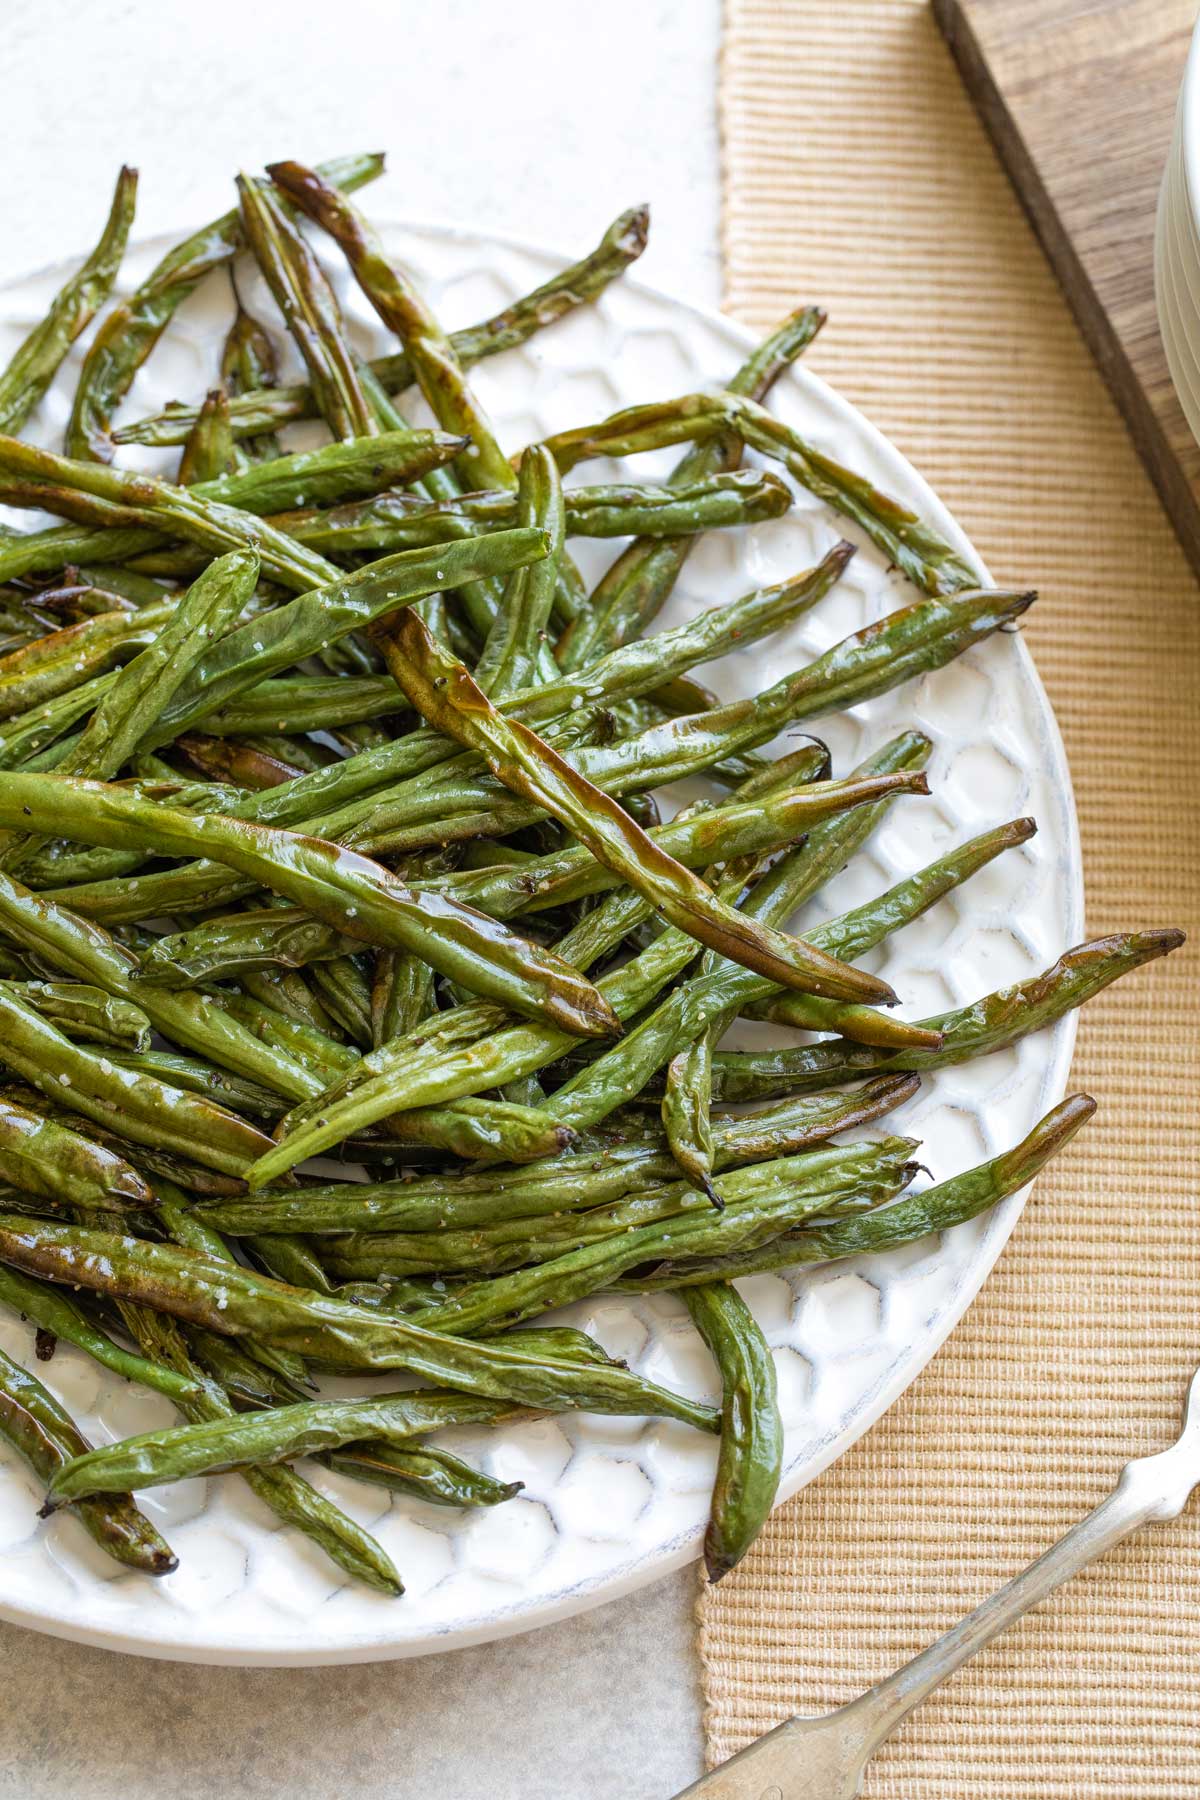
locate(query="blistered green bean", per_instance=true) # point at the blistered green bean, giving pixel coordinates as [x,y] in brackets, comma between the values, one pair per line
[751,1454]
[231,1301]
[132,329]
[43,1432]
[255,413]
[35,363]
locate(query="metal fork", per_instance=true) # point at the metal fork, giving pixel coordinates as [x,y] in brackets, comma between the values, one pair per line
[825,1758]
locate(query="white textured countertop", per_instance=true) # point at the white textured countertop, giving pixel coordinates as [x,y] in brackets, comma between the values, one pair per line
[541,118]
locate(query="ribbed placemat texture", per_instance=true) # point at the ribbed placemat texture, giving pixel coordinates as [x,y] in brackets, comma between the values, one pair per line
[856,174]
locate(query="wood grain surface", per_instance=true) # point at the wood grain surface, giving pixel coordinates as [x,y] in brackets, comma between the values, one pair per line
[1079,98]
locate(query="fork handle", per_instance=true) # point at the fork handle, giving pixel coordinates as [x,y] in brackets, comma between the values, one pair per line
[1152,1488]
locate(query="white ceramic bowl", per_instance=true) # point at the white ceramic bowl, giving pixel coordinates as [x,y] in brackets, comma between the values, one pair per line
[1177,246]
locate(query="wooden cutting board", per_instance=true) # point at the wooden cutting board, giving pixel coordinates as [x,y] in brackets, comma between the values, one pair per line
[1079,98]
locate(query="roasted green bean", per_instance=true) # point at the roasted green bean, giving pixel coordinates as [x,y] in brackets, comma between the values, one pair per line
[182,1452]
[132,329]
[293,1500]
[762,1202]
[230,1300]
[54,1311]
[43,1432]
[255,413]
[993,1023]
[751,1454]
[34,365]
[423,1472]
[444,693]
[209,452]
[142,1107]
[938,1209]
[336,885]
[589,1177]
[309,309]
[634,589]
[430,352]
[909,541]
[42,1158]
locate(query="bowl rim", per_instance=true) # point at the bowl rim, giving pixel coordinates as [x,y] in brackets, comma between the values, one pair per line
[1188,125]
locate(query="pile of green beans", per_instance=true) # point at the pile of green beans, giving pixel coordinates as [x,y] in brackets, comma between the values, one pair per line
[330,822]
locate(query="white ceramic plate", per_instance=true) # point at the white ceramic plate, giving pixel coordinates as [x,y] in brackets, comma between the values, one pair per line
[610,1504]
[1177,246]
[1176,278]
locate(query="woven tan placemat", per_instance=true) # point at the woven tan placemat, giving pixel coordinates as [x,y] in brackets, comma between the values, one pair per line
[856,174]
